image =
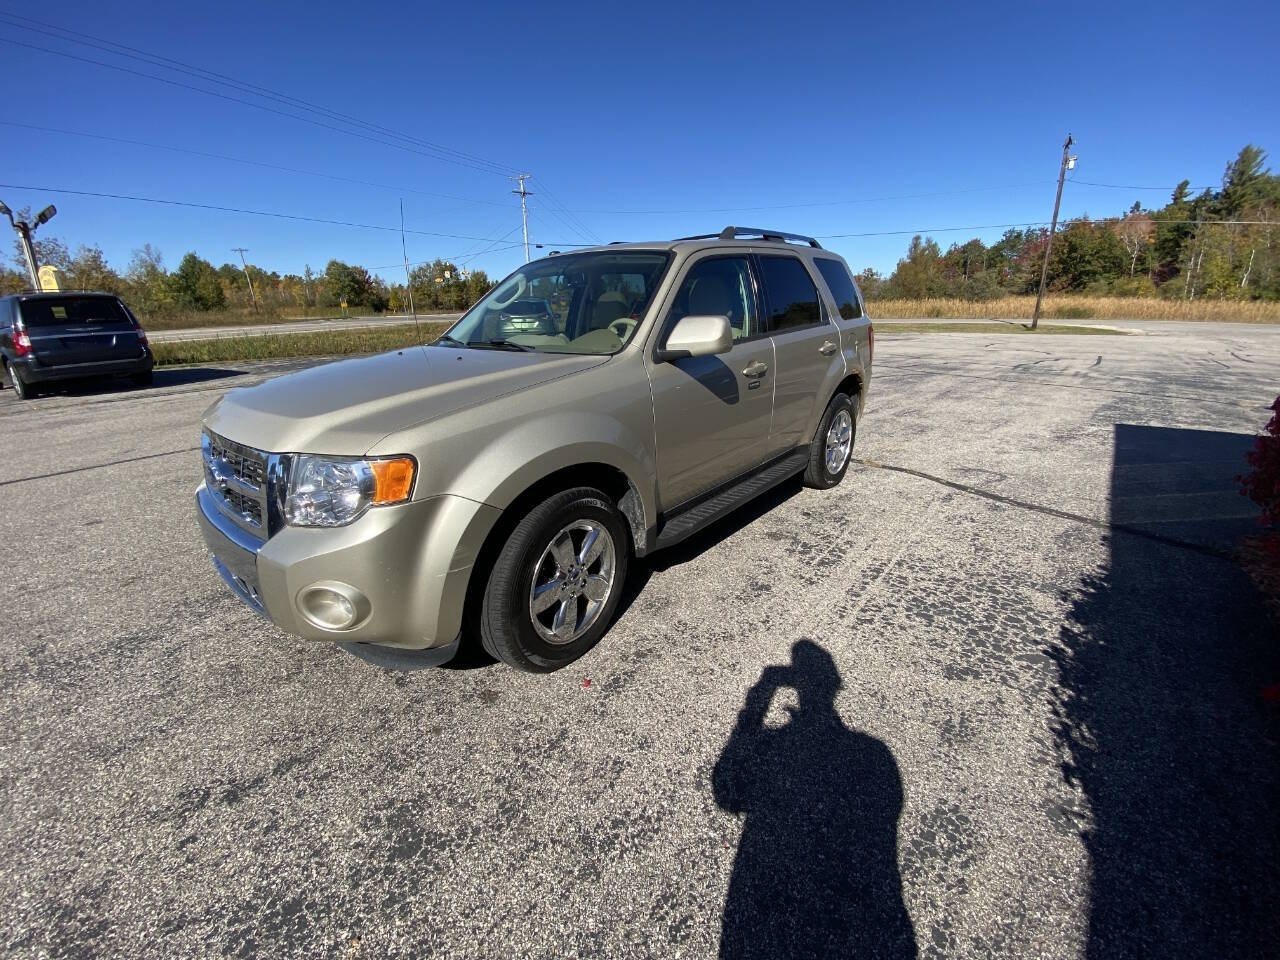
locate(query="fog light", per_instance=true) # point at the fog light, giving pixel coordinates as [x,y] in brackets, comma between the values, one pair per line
[333,606]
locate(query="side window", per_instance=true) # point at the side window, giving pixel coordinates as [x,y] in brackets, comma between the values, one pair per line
[719,286]
[841,286]
[793,299]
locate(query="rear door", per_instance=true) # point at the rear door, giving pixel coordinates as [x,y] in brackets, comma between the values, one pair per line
[79,329]
[806,347]
[855,328]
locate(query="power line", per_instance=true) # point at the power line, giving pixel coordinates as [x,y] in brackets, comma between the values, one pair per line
[255,163]
[1126,186]
[248,103]
[255,213]
[221,79]
[1035,223]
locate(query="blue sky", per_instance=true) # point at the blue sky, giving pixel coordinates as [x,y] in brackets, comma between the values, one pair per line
[641,119]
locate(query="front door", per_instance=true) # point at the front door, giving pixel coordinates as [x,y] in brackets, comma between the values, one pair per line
[712,414]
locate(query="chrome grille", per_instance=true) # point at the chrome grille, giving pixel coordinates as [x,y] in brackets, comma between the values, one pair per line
[237,476]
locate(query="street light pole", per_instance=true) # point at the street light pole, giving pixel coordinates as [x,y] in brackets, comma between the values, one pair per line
[1067,161]
[24,231]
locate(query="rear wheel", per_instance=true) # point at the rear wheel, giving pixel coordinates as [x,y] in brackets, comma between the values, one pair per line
[556,584]
[833,443]
[21,388]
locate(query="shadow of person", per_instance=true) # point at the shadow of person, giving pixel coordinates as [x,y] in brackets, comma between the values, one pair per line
[816,873]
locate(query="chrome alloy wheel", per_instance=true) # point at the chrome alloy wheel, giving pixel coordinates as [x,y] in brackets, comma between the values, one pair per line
[571,582]
[839,442]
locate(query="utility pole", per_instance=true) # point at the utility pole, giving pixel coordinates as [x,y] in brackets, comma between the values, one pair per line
[408,278]
[1067,163]
[24,231]
[253,297]
[524,210]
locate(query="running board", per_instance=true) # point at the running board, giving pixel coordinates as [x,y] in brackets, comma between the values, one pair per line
[686,522]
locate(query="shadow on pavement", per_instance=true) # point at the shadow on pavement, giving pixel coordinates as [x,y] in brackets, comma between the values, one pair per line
[1160,714]
[816,873]
[162,378]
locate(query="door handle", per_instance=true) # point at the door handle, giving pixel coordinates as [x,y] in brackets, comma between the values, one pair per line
[827,348]
[757,368]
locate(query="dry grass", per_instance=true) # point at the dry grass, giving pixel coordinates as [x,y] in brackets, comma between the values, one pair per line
[339,343]
[1080,308]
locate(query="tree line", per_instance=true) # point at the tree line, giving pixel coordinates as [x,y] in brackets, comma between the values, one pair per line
[1193,246]
[196,285]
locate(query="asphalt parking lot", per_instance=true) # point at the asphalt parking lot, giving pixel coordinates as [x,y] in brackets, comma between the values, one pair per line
[1015,706]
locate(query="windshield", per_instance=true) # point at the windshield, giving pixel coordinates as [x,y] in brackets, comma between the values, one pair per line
[568,303]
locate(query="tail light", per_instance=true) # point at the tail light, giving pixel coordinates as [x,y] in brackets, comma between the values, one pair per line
[871,343]
[21,343]
[142,337]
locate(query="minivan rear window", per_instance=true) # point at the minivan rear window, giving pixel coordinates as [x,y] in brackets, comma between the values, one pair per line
[63,311]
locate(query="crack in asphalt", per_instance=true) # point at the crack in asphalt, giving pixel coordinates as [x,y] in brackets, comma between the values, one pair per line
[1107,525]
[97,466]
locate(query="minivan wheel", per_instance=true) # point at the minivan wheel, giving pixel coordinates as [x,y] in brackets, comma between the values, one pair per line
[832,445]
[555,586]
[21,389]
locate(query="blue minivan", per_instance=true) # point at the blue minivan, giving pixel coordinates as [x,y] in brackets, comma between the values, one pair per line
[69,335]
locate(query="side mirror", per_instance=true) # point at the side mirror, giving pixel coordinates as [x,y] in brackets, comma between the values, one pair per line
[697,336]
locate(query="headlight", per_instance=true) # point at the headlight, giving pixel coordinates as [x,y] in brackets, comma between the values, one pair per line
[331,492]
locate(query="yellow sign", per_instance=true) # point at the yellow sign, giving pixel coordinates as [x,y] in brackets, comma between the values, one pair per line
[50,278]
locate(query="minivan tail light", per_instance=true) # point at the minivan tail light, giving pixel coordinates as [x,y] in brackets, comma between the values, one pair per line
[21,343]
[142,337]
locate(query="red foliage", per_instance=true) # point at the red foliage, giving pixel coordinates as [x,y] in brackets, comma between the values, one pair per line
[1262,486]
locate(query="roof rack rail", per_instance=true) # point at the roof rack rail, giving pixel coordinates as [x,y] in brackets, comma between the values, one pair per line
[773,236]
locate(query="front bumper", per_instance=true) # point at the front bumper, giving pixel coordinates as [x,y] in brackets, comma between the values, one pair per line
[35,372]
[412,562]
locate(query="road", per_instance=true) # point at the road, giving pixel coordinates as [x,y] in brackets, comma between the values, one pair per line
[293,326]
[1025,713]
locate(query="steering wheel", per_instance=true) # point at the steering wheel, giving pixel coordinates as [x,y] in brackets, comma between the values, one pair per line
[627,324]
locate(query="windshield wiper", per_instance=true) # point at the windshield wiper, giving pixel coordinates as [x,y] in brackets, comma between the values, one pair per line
[448,339]
[500,344]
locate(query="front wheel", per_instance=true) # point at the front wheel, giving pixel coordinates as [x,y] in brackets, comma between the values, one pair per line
[556,584]
[832,445]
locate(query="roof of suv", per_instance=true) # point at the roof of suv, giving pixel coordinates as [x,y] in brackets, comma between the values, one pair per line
[737,236]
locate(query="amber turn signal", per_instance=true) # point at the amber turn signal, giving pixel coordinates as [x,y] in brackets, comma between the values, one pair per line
[393,479]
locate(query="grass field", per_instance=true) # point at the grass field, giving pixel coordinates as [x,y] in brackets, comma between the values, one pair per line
[339,343]
[890,329]
[1081,308]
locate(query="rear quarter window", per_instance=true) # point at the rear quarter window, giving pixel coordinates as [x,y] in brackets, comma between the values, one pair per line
[841,286]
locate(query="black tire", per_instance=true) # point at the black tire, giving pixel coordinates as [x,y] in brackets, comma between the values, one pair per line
[142,379]
[21,389]
[506,622]
[818,474]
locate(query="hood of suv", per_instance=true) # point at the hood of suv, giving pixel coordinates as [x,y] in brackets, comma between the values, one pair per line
[344,408]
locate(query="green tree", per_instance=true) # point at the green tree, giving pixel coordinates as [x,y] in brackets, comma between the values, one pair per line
[196,284]
[88,270]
